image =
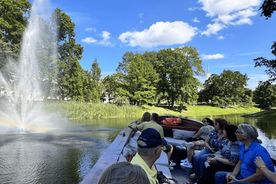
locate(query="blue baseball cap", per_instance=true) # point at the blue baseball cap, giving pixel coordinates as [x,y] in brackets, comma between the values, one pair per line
[150,137]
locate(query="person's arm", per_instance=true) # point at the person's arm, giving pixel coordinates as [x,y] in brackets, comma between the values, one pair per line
[253,178]
[207,140]
[262,167]
[231,177]
[197,135]
[199,143]
[224,161]
[233,157]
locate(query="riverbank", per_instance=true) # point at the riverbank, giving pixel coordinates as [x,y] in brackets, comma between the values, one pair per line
[263,114]
[77,110]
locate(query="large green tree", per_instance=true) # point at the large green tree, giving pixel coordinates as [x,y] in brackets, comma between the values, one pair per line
[137,78]
[228,87]
[71,74]
[265,95]
[176,69]
[95,86]
[13,20]
[47,58]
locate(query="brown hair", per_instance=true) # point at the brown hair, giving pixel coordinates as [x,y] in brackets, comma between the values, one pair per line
[221,122]
[146,117]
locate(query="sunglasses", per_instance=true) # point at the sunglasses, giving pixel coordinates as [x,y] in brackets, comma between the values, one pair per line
[238,132]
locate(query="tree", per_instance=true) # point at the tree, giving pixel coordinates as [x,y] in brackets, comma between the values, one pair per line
[96,86]
[13,20]
[270,64]
[47,58]
[265,95]
[228,87]
[176,69]
[110,85]
[70,74]
[137,78]
[268,7]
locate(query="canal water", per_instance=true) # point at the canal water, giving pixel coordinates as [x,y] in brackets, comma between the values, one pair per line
[66,155]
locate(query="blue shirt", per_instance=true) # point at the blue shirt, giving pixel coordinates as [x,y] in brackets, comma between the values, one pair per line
[231,152]
[216,144]
[248,156]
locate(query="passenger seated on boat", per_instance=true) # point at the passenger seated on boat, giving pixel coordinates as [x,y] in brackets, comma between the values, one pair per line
[197,140]
[167,148]
[124,173]
[213,143]
[148,151]
[146,117]
[228,158]
[246,170]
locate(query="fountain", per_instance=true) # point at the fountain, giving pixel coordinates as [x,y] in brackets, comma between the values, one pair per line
[21,108]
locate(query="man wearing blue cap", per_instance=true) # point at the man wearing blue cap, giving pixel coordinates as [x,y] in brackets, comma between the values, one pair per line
[148,151]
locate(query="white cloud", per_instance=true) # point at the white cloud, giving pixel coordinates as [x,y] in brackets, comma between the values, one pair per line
[195,20]
[212,29]
[89,40]
[141,15]
[160,33]
[193,8]
[91,29]
[233,12]
[214,56]
[220,37]
[106,37]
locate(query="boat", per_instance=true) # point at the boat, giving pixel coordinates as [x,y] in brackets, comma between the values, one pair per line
[115,152]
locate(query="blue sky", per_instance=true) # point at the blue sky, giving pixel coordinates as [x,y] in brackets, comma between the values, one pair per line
[228,34]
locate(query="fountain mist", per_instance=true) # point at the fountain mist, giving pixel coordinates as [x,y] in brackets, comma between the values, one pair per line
[23,91]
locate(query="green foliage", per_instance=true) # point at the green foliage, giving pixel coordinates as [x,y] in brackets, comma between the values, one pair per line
[226,88]
[47,58]
[270,64]
[13,19]
[71,74]
[110,85]
[176,69]
[268,7]
[92,84]
[79,110]
[136,78]
[265,95]
[119,101]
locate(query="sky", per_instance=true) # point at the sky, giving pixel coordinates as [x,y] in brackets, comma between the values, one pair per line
[228,34]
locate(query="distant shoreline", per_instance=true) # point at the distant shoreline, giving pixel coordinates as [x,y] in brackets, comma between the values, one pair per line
[77,110]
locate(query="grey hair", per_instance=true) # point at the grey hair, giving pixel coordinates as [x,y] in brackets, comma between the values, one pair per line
[124,173]
[250,131]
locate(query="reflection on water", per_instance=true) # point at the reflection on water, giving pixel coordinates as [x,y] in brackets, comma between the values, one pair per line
[60,156]
[66,155]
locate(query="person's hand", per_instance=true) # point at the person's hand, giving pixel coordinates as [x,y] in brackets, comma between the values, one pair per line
[259,162]
[230,178]
[213,150]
